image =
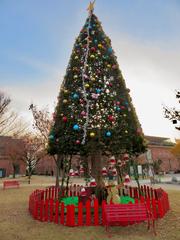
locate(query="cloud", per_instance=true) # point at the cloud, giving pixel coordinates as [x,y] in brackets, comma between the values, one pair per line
[36,63]
[42,93]
[152,73]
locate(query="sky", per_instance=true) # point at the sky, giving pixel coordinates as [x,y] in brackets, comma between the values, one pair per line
[37,37]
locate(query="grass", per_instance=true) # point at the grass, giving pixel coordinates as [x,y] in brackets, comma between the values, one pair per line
[17,224]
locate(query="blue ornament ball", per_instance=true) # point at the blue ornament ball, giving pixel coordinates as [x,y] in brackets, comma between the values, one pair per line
[75,96]
[110,50]
[108,134]
[51,137]
[76,127]
[98,90]
[118,109]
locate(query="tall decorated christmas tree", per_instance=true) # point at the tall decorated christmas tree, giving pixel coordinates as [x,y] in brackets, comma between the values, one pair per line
[94,115]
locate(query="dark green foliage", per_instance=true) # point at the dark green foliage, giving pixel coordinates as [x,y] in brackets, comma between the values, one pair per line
[112,124]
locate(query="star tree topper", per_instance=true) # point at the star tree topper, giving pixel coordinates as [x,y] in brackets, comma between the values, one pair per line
[91,7]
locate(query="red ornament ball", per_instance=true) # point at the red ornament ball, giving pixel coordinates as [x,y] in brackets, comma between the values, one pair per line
[93,49]
[111,118]
[64,119]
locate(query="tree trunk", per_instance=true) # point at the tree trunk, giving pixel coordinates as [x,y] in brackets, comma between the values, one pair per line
[69,167]
[57,160]
[14,172]
[29,177]
[85,159]
[96,168]
[136,175]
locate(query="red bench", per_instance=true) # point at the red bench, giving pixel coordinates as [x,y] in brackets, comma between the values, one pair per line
[9,184]
[126,214]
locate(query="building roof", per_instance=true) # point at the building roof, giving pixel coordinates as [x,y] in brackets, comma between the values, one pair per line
[160,141]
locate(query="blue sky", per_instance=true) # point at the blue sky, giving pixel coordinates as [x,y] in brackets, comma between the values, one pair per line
[37,37]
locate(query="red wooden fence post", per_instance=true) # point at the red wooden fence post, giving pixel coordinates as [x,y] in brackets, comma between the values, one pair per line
[46,193]
[51,208]
[154,208]
[160,208]
[36,210]
[103,213]
[148,192]
[148,203]
[88,213]
[155,194]
[46,210]
[96,215]
[42,195]
[52,196]
[56,212]
[142,199]
[68,215]
[49,193]
[135,192]
[41,210]
[72,214]
[62,214]
[80,214]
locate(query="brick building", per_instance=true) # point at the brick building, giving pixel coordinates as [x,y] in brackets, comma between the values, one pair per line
[158,148]
[6,167]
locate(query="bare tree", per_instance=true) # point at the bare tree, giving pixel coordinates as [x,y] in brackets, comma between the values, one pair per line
[31,153]
[10,122]
[172,113]
[13,150]
[42,123]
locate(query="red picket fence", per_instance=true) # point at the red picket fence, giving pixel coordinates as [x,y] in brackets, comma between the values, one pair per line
[45,206]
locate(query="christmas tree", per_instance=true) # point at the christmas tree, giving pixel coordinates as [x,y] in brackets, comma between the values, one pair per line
[94,114]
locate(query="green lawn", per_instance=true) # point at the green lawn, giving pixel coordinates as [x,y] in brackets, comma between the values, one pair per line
[17,224]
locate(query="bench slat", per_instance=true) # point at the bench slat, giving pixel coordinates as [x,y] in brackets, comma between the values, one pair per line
[128,213]
[12,183]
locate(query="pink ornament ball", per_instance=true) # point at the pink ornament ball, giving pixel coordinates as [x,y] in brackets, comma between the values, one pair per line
[78,142]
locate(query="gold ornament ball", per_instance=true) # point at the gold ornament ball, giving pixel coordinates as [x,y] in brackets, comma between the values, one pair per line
[87,85]
[93,79]
[65,91]
[92,134]
[124,115]
[65,101]
[75,76]
[109,65]
[92,56]
[76,57]
[100,45]
[126,131]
